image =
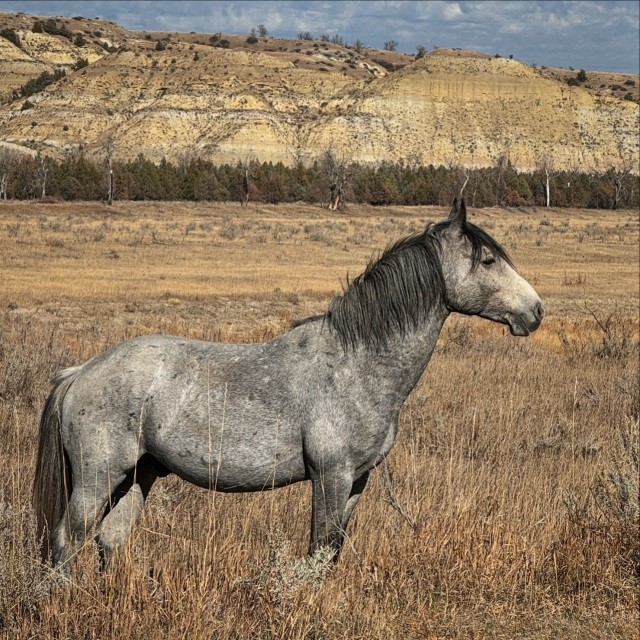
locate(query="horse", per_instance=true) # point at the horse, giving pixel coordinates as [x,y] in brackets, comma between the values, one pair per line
[319,403]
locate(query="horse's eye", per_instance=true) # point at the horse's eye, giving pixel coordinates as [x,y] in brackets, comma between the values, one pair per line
[488,261]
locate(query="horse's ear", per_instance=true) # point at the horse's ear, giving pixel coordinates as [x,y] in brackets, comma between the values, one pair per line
[454,209]
[458,214]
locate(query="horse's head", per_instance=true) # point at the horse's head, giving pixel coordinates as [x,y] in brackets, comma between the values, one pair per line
[481,280]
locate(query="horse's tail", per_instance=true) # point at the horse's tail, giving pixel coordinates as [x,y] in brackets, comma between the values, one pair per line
[52,482]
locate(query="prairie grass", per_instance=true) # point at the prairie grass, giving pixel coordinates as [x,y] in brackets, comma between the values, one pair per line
[516,460]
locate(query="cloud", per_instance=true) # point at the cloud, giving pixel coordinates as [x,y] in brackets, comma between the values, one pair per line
[452,11]
[596,35]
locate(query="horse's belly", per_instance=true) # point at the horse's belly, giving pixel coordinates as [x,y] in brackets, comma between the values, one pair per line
[235,476]
[240,460]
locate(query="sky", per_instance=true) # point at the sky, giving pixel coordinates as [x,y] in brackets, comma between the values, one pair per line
[584,34]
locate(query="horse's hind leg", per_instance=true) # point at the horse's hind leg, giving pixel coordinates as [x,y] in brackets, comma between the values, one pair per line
[87,501]
[127,504]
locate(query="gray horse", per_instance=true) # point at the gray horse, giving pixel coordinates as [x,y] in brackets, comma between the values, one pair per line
[318,403]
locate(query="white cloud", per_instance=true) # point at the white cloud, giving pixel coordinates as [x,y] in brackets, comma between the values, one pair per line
[452,11]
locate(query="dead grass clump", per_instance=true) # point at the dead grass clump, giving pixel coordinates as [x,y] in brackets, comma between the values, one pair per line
[317,233]
[28,359]
[24,580]
[609,516]
[616,335]
[230,230]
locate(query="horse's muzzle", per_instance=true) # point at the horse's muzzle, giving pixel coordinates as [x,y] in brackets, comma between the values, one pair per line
[527,322]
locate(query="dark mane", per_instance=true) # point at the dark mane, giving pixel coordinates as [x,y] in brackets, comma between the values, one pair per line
[393,295]
[396,292]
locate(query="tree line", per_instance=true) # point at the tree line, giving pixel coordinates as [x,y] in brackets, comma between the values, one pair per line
[328,181]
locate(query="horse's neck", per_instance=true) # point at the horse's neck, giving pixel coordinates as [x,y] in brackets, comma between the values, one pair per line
[396,371]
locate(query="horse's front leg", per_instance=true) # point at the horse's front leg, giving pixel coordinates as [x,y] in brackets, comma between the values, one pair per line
[335,495]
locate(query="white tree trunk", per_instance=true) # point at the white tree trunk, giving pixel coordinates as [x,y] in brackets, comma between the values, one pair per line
[110,187]
[546,171]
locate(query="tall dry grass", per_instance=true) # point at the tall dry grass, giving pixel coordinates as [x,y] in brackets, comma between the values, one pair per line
[516,463]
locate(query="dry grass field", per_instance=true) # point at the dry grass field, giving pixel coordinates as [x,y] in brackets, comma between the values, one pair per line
[516,464]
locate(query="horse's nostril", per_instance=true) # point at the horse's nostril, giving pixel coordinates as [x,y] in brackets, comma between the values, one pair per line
[539,311]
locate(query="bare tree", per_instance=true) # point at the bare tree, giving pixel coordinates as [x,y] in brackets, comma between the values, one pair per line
[620,183]
[8,161]
[464,184]
[546,165]
[109,166]
[336,171]
[620,177]
[461,174]
[42,173]
[391,45]
[262,31]
[244,179]
[245,185]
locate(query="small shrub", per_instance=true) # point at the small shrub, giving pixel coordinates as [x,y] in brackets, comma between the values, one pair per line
[52,27]
[230,230]
[11,36]
[35,85]
[284,575]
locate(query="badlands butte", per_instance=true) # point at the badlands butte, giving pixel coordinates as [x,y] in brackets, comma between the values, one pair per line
[225,99]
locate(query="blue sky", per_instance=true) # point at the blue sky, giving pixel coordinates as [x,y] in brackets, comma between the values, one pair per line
[595,35]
